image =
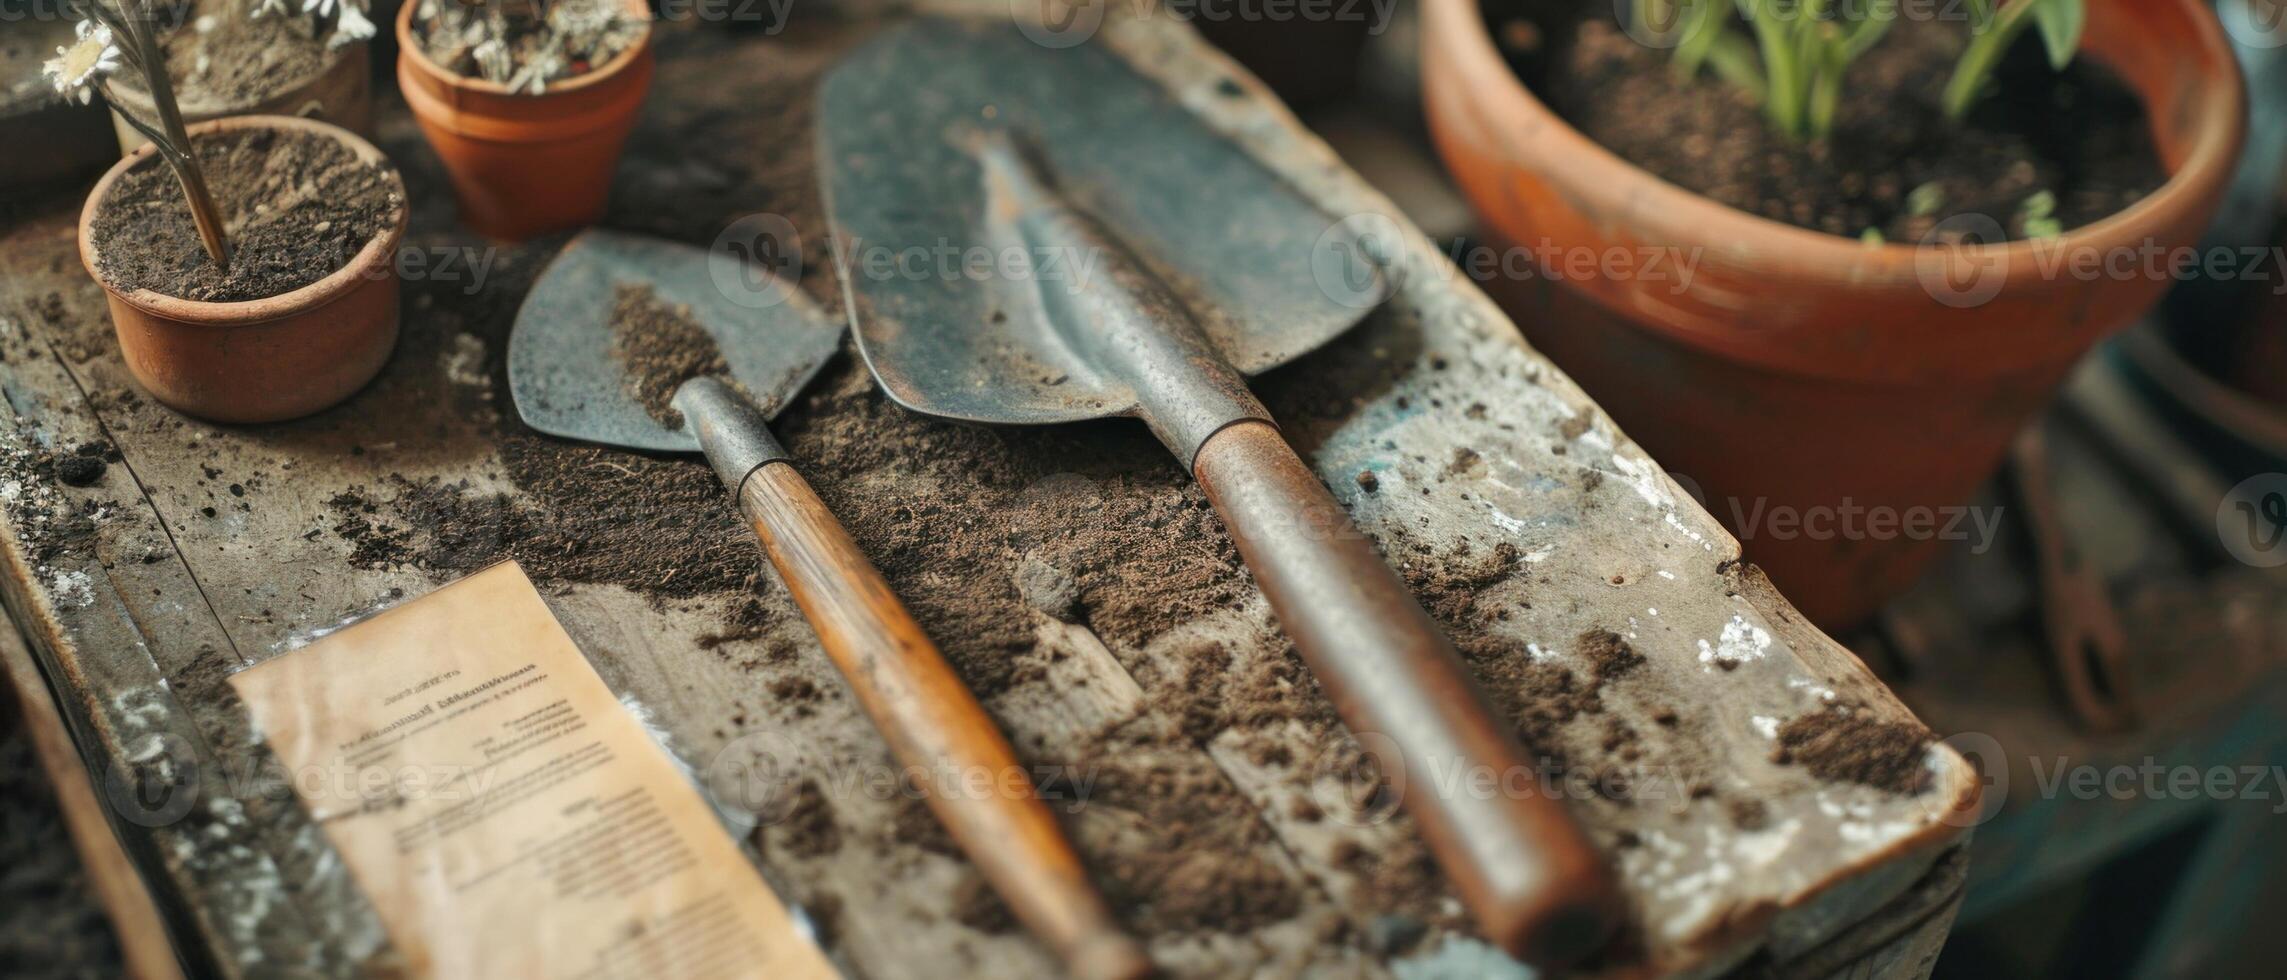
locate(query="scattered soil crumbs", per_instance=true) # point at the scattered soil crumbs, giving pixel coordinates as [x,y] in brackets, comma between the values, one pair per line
[1205,868]
[1609,654]
[983,531]
[825,911]
[1208,690]
[749,620]
[661,347]
[663,527]
[1403,875]
[916,824]
[977,906]
[799,694]
[297,206]
[80,471]
[1449,586]
[1843,745]
[1894,163]
[808,830]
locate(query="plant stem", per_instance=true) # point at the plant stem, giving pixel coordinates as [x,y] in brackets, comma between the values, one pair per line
[1825,97]
[1733,60]
[1984,52]
[1784,101]
[182,156]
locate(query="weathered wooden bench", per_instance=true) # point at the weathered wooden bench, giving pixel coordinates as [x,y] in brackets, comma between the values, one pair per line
[1073,575]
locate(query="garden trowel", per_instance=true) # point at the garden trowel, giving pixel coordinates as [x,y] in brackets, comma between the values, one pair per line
[1034,234]
[568,381]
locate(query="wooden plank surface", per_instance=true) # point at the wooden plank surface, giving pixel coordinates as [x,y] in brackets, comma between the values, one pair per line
[144,948]
[1204,780]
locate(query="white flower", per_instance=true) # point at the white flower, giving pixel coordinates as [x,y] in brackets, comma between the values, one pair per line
[77,68]
[319,8]
[351,26]
[492,59]
[265,8]
[540,66]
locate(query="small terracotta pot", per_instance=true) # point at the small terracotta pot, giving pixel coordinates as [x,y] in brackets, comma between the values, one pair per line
[262,360]
[1801,375]
[526,165]
[340,93]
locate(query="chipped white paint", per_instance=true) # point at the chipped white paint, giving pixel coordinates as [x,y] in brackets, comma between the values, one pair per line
[1673,521]
[463,361]
[1645,478]
[71,590]
[1740,642]
[1823,693]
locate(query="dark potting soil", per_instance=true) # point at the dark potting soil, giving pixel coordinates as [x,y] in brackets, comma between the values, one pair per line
[661,347]
[1843,745]
[295,207]
[1893,163]
[219,58]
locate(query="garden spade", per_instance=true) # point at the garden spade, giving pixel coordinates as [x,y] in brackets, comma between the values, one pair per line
[568,382]
[1031,234]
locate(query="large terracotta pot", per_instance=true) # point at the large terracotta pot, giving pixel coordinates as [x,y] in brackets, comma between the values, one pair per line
[267,359]
[526,165]
[1803,376]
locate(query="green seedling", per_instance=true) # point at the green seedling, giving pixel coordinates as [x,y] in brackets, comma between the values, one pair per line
[1801,50]
[2040,212]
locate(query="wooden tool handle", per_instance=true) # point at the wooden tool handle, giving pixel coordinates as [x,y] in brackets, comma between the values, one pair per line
[2087,645]
[1525,870]
[934,723]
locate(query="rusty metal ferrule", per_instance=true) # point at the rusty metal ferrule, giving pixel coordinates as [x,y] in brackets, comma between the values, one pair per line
[730,429]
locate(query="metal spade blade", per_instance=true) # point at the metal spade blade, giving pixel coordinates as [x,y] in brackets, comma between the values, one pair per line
[905,126]
[1032,235]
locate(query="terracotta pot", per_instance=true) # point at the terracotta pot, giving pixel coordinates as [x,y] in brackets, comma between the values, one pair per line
[341,92]
[1803,375]
[267,359]
[526,165]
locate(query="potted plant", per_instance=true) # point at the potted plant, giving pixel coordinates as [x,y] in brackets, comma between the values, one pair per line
[260,58]
[1876,213]
[528,101]
[250,260]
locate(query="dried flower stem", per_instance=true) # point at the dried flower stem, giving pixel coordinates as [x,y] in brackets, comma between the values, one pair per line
[134,25]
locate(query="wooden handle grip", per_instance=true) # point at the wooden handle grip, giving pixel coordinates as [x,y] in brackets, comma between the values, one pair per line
[933,723]
[1525,870]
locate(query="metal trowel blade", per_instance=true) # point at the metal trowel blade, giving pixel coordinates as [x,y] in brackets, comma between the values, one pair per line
[567,380]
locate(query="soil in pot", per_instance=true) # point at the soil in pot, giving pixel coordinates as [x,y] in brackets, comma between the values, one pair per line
[297,206]
[576,37]
[1894,163]
[218,57]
